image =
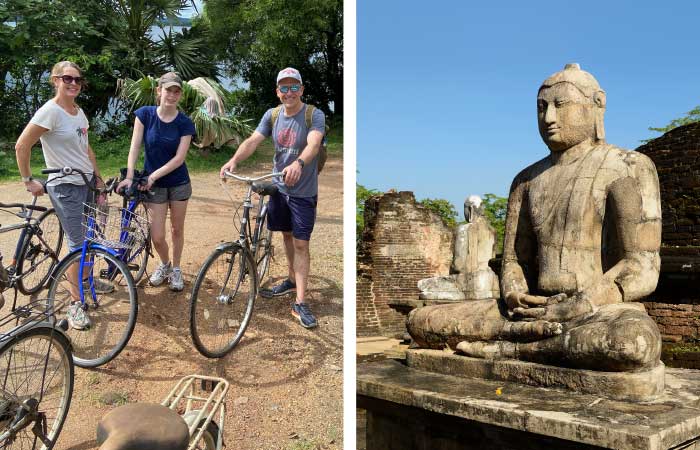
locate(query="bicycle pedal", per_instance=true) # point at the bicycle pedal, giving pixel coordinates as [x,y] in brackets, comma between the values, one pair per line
[63,324]
[106,274]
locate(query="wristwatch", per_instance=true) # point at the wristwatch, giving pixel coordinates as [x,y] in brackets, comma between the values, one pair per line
[27,179]
[301,162]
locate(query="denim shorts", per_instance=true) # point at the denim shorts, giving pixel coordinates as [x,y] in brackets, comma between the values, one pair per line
[295,214]
[67,199]
[181,192]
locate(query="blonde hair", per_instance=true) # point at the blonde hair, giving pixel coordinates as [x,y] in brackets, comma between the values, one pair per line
[57,71]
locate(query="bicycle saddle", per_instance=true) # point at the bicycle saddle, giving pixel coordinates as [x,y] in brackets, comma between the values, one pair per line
[265,188]
[142,426]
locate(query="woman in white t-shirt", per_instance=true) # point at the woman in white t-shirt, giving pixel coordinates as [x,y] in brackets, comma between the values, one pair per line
[61,126]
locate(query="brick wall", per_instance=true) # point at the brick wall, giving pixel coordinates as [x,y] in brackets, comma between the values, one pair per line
[677,158]
[675,306]
[402,243]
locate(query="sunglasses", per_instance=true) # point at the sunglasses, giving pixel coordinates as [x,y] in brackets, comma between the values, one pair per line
[293,88]
[68,79]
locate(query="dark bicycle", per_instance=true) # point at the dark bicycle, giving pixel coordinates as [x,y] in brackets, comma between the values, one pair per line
[224,291]
[37,250]
[37,378]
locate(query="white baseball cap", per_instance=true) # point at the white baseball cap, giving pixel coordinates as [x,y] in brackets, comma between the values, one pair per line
[289,72]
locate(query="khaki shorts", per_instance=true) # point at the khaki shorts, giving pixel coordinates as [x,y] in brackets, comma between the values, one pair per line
[170,194]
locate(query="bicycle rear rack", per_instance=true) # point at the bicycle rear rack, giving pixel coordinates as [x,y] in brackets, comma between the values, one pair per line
[188,396]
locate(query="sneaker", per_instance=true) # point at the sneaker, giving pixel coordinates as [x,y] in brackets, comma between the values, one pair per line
[101,287]
[302,312]
[176,283]
[77,317]
[161,273]
[283,288]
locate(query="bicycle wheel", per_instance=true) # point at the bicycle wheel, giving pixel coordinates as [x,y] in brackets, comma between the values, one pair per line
[137,258]
[112,315]
[37,259]
[209,437]
[37,371]
[263,252]
[222,301]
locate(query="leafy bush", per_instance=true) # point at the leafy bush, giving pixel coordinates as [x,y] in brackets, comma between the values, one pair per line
[442,208]
[360,198]
[495,208]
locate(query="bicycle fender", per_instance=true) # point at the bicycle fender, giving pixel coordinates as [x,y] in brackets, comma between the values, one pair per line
[30,326]
[224,246]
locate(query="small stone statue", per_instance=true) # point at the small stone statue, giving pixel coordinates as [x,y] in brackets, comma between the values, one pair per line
[470,277]
[582,238]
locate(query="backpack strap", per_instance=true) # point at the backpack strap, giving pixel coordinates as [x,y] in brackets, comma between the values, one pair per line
[275,115]
[309,114]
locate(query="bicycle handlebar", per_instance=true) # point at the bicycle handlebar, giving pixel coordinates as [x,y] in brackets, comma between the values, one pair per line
[252,180]
[65,171]
[24,206]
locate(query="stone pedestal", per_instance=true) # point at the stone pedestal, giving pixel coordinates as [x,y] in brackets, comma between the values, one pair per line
[412,409]
[629,386]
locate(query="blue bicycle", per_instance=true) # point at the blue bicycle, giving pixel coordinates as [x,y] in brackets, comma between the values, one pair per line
[115,237]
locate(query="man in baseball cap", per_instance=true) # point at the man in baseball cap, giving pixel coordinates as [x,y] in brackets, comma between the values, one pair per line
[297,132]
[289,72]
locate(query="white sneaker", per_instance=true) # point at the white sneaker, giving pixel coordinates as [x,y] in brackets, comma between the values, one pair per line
[176,282]
[161,273]
[77,317]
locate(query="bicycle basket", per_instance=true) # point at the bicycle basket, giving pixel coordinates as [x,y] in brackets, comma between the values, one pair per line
[114,227]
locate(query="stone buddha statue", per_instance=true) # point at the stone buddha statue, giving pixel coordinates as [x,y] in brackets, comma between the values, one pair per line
[582,238]
[470,277]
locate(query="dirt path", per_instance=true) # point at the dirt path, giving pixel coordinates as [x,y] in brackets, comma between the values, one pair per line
[286,381]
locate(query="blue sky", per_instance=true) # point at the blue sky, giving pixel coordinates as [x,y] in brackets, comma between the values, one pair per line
[446,91]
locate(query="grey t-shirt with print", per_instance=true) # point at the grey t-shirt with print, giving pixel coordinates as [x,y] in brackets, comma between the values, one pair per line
[65,144]
[289,136]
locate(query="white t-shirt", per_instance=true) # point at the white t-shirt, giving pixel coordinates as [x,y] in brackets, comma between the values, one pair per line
[66,142]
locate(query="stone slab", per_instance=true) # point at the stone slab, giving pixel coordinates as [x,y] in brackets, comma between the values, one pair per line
[670,421]
[631,386]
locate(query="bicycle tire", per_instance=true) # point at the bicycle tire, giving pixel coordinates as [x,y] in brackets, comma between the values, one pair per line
[222,301]
[209,437]
[263,251]
[139,255]
[113,322]
[37,256]
[16,358]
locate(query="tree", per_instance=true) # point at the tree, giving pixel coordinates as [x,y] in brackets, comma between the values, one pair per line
[495,208]
[361,196]
[34,35]
[442,208]
[690,117]
[141,51]
[212,124]
[257,38]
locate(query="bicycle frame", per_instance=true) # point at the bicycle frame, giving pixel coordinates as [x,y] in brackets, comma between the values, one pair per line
[121,253]
[30,228]
[92,228]
[247,241]
[245,238]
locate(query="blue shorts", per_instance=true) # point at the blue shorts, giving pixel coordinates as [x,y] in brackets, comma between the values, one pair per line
[295,214]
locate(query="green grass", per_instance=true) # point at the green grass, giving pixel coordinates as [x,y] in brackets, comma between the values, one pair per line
[112,155]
